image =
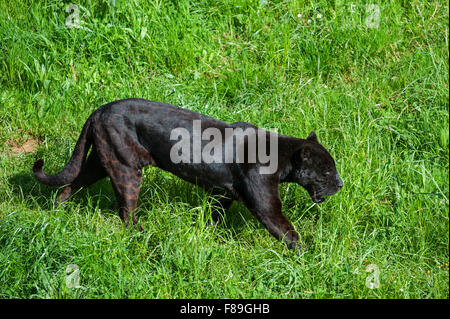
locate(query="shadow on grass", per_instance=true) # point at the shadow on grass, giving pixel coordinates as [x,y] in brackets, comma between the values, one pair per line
[158,184]
[26,188]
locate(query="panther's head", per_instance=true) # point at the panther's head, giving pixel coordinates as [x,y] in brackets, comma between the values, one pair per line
[315,170]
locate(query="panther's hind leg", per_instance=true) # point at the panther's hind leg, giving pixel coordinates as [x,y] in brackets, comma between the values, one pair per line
[126,182]
[91,172]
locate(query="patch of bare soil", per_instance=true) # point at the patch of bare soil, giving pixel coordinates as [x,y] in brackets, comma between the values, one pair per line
[29,146]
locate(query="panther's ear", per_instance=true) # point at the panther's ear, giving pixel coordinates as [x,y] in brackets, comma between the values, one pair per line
[312,137]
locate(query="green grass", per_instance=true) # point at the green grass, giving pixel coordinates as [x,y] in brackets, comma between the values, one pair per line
[377,97]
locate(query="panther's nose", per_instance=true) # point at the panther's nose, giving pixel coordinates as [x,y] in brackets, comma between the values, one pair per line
[340,183]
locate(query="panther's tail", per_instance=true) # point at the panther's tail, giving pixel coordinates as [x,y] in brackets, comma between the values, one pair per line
[68,174]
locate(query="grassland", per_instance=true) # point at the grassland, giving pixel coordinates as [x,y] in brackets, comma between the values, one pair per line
[374,90]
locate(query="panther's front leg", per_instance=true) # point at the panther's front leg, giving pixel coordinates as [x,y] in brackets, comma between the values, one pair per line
[262,199]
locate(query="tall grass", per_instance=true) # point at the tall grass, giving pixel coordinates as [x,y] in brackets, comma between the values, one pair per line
[376,96]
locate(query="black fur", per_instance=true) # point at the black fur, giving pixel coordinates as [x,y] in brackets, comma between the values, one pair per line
[129,134]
